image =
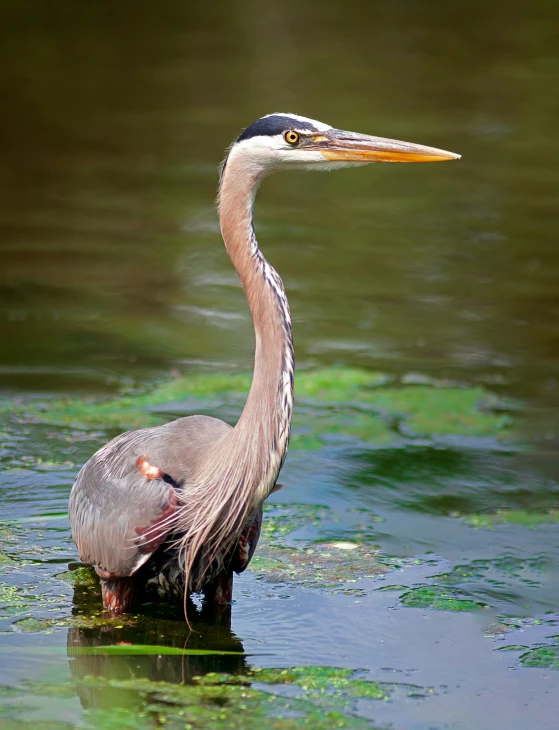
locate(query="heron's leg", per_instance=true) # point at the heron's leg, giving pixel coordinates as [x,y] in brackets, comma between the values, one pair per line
[118,594]
[220,591]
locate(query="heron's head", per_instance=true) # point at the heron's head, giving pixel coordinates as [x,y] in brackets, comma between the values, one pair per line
[283,141]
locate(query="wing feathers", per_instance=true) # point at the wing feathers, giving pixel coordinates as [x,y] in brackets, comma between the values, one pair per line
[118,523]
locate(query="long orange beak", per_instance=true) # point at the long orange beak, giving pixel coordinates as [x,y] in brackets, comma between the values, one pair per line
[335,144]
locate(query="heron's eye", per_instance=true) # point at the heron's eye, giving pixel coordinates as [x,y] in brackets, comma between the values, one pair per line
[291,137]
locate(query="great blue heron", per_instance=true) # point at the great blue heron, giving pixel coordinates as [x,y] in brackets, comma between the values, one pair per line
[178,507]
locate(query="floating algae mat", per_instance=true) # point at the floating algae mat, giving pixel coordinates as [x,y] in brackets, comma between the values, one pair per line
[332,406]
[319,698]
[544,657]
[528,518]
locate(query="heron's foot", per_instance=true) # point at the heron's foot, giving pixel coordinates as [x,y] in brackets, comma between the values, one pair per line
[118,594]
[220,591]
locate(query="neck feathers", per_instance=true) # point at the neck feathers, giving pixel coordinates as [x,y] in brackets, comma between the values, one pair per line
[265,422]
[242,468]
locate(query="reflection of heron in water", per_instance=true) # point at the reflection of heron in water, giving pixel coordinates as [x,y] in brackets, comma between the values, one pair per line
[180,505]
[163,627]
[154,667]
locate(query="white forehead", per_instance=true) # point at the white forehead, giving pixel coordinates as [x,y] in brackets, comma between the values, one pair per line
[298,118]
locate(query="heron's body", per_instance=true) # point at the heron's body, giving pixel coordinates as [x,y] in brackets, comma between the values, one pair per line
[178,507]
[133,512]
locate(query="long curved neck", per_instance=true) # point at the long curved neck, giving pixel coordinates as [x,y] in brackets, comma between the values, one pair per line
[265,422]
[241,468]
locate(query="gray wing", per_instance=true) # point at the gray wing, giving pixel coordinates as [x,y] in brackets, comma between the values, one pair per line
[123,501]
[117,523]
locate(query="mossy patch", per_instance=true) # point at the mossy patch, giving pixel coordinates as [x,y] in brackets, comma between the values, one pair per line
[332,404]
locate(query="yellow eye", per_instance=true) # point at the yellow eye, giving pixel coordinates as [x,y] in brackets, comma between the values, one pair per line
[291,137]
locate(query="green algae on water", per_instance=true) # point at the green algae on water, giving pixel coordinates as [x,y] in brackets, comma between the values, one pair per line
[332,403]
[14,600]
[323,679]
[527,518]
[318,564]
[79,575]
[438,598]
[31,625]
[512,647]
[544,657]
[325,699]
